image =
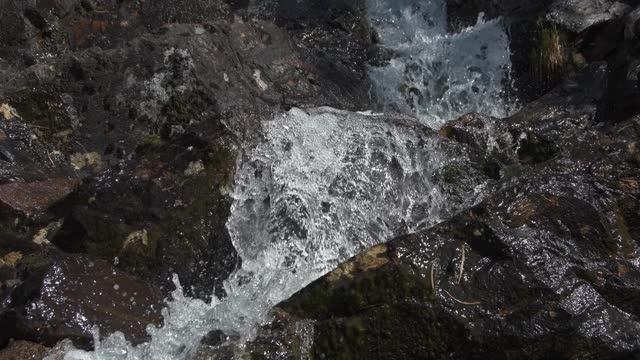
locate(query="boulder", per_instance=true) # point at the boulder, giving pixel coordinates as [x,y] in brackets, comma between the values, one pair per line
[121,123]
[35,183]
[65,297]
[23,350]
[614,41]
[32,197]
[579,15]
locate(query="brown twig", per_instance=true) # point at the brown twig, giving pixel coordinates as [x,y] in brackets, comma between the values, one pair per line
[624,128]
[82,146]
[49,156]
[433,275]
[460,301]
[461,265]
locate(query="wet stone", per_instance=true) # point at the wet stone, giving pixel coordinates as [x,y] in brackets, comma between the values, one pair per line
[23,350]
[29,198]
[578,15]
[66,296]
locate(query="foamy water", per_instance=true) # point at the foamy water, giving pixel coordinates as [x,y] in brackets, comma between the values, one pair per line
[434,75]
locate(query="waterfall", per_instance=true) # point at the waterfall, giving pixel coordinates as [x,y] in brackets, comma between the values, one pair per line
[437,76]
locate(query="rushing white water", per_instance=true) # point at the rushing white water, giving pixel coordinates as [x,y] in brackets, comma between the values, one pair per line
[325,183]
[438,76]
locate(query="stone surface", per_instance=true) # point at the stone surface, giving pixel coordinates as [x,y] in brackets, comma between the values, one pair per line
[63,297]
[23,350]
[578,15]
[29,198]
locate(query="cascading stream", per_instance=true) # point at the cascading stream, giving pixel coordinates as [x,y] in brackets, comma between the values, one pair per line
[326,183]
[434,75]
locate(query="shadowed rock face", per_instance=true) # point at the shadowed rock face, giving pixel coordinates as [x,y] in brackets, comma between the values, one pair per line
[578,15]
[63,297]
[545,36]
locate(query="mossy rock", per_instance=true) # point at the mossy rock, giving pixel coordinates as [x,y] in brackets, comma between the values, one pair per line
[451,173]
[405,330]
[34,262]
[385,311]
[152,139]
[388,284]
[549,56]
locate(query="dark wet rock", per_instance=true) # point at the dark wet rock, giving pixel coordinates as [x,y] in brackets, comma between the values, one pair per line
[339,39]
[538,134]
[615,43]
[632,25]
[155,228]
[119,130]
[64,296]
[318,34]
[24,156]
[35,181]
[578,15]
[8,270]
[23,350]
[364,301]
[157,13]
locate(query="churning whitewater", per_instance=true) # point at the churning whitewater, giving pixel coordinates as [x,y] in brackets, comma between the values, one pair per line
[325,183]
[437,76]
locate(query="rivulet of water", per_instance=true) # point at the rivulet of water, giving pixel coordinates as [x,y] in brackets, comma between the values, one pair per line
[438,76]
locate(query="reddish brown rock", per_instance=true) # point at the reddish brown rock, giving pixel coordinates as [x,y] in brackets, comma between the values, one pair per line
[29,198]
[67,296]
